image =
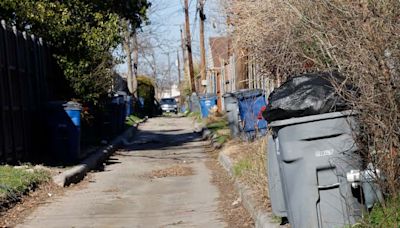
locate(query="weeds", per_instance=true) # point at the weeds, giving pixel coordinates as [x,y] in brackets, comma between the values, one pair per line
[240,167]
[14,182]
[384,216]
[221,139]
[250,166]
[132,120]
[220,124]
[359,39]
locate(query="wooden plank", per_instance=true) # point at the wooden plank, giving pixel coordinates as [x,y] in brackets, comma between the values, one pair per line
[15,96]
[2,96]
[24,94]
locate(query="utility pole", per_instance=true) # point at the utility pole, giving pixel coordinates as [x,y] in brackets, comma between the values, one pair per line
[202,48]
[169,76]
[135,63]
[189,47]
[183,53]
[179,68]
[185,70]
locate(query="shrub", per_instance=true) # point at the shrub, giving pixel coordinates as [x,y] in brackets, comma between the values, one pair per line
[359,39]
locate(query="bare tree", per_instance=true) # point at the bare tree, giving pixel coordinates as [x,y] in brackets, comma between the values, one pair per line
[130,46]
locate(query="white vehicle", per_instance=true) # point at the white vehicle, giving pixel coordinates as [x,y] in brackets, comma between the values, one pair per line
[169,105]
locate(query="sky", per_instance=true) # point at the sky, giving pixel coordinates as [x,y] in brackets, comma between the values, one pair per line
[166,18]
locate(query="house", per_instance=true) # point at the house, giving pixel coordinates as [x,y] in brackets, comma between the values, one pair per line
[219,78]
[231,70]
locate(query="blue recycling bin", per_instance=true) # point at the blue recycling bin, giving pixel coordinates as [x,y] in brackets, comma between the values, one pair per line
[129,105]
[206,103]
[73,110]
[63,124]
[251,103]
[118,114]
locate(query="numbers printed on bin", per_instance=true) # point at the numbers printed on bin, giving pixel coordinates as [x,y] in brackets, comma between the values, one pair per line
[323,153]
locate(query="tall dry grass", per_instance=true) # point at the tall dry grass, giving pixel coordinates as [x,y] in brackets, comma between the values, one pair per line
[250,167]
[359,38]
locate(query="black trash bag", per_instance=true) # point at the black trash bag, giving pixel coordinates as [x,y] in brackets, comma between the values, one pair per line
[304,95]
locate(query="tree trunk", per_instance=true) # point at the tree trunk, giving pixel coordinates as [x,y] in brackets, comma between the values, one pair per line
[203,64]
[128,52]
[135,63]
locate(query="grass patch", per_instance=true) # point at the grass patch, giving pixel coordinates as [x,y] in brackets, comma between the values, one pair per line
[132,120]
[241,166]
[276,219]
[218,125]
[15,182]
[221,139]
[384,216]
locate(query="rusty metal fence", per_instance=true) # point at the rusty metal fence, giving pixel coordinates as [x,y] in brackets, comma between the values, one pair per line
[26,66]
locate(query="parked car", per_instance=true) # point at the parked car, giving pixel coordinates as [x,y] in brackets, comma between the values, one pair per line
[169,105]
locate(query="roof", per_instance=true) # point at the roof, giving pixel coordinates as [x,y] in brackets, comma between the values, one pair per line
[220,49]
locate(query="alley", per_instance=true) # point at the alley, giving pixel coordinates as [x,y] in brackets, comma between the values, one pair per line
[136,188]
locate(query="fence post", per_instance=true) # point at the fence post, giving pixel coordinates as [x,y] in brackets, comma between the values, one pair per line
[8,120]
[3,132]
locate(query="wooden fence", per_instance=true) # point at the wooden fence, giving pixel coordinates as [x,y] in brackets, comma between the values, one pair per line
[26,66]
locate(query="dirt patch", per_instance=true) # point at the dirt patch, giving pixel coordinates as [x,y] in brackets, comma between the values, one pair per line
[29,203]
[229,204]
[173,171]
[41,195]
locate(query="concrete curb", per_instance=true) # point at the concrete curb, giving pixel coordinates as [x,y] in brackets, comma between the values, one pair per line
[261,219]
[78,172]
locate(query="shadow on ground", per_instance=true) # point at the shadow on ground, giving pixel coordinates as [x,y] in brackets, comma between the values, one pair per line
[162,140]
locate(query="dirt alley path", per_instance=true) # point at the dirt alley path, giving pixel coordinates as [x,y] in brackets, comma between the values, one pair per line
[159,179]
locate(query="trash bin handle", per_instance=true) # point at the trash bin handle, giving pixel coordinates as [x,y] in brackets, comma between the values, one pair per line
[325,187]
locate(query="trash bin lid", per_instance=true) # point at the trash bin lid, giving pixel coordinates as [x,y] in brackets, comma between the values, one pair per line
[249,93]
[207,96]
[71,105]
[228,95]
[332,115]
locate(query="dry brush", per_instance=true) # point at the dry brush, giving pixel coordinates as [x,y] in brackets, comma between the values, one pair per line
[358,38]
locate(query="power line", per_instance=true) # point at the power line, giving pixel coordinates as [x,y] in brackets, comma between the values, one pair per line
[195,20]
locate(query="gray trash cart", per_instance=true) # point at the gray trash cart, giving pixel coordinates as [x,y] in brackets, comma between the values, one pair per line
[314,154]
[232,110]
[274,180]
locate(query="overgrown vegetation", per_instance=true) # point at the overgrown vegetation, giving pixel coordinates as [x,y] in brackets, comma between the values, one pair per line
[132,120]
[146,91]
[360,39]
[14,182]
[249,166]
[217,124]
[384,216]
[222,138]
[81,33]
[241,166]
